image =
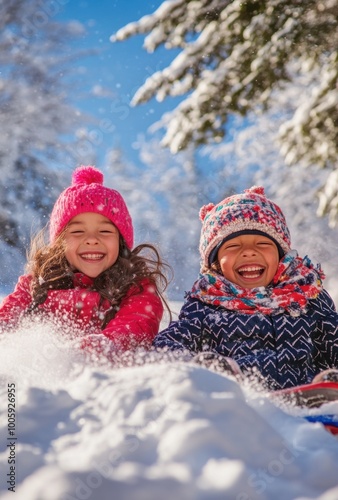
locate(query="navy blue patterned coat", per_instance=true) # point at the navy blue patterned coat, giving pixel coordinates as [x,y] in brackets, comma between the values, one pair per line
[286,350]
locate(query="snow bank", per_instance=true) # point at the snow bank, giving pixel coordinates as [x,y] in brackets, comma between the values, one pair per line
[154,430]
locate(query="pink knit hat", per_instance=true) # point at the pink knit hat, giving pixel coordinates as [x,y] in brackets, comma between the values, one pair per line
[250,212]
[87,194]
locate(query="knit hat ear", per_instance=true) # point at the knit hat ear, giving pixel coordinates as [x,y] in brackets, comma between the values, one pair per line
[87,194]
[250,211]
[204,210]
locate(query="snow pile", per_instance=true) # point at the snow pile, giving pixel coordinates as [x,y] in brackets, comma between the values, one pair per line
[155,430]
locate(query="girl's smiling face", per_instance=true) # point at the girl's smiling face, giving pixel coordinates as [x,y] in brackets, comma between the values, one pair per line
[92,243]
[249,260]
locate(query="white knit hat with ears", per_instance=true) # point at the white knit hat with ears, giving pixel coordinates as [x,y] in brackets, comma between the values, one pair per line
[247,212]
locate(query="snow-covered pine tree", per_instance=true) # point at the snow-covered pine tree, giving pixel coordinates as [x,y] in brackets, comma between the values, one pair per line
[35,116]
[232,55]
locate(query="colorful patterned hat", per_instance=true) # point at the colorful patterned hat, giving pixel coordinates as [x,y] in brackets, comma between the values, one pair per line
[87,194]
[247,212]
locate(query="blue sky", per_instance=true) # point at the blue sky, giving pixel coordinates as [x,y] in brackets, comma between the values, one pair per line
[119,68]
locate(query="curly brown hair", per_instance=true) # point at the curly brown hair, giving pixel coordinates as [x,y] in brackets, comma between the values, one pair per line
[49,268]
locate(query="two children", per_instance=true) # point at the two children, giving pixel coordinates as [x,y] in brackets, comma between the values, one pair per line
[89,276]
[256,306]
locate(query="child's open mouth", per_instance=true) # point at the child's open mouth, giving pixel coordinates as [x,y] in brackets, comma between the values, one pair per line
[92,256]
[250,272]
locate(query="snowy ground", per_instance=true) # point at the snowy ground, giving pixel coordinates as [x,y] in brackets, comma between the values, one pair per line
[158,430]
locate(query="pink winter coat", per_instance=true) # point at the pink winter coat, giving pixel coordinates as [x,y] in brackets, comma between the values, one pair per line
[136,322]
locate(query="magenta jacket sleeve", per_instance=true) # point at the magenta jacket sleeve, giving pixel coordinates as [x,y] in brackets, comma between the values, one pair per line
[15,304]
[138,319]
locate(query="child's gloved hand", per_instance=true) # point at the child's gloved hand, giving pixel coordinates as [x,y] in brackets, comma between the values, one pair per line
[218,363]
[330,375]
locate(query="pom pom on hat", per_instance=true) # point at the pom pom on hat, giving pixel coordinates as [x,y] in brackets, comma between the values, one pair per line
[255,190]
[87,175]
[250,211]
[87,194]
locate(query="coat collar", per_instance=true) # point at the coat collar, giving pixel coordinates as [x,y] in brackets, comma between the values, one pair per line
[82,280]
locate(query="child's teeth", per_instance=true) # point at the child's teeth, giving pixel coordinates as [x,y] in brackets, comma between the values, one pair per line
[92,256]
[251,271]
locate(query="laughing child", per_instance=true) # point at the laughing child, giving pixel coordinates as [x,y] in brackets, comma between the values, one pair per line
[257,306]
[88,275]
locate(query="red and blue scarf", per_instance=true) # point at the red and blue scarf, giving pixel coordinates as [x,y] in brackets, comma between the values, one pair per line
[296,282]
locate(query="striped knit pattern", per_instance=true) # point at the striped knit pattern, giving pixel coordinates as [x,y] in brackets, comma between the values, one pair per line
[286,350]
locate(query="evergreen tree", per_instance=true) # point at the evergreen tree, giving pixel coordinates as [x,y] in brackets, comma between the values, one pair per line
[35,115]
[231,57]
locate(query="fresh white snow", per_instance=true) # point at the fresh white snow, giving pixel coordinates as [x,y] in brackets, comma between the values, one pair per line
[159,429]
[154,429]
